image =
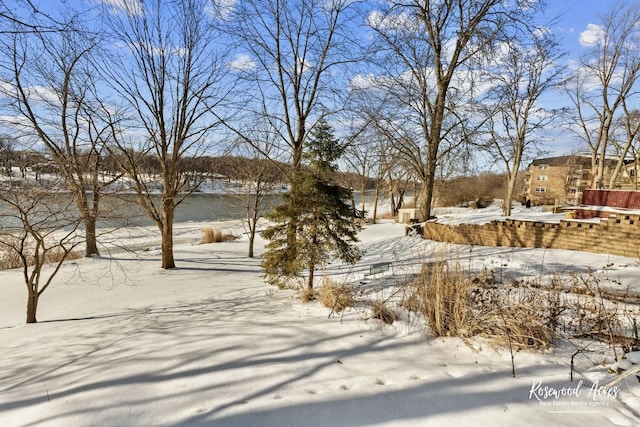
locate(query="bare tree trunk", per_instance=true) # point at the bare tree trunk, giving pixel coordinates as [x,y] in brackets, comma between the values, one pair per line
[91,244]
[598,182]
[392,203]
[253,224]
[428,185]
[168,210]
[400,201]
[32,306]
[511,188]
[376,196]
[312,268]
[252,238]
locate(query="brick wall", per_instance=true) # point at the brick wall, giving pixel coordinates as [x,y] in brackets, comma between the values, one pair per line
[615,235]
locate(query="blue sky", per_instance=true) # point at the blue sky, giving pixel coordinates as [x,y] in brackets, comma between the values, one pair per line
[574,17]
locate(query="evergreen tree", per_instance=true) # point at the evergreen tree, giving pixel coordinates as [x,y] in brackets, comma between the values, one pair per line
[315,222]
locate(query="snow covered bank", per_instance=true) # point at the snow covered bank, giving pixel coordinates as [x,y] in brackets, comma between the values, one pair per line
[122,342]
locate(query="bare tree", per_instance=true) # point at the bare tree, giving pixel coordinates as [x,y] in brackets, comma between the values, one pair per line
[25,16]
[625,139]
[429,50]
[8,153]
[296,52]
[383,162]
[525,71]
[259,180]
[50,93]
[39,230]
[606,82]
[168,68]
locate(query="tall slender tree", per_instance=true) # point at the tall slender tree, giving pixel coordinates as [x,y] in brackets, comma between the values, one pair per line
[51,95]
[525,71]
[428,52]
[605,83]
[290,60]
[169,70]
[39,229]
[324,218]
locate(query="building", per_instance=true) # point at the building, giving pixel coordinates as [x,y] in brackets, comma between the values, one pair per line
[561,180]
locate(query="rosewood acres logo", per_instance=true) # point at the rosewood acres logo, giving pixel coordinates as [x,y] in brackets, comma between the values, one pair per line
[574,397]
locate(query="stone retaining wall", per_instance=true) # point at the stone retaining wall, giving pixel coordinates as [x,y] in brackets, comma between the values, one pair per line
[618,235]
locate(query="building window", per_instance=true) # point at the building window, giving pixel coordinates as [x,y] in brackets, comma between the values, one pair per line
[543,167]
[542,178]
[541,189]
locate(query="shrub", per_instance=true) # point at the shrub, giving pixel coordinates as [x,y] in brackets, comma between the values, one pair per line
[482,202]
[214,235]
[306,295]
[379,310]
[335,296]
[457,304]
[444,299]
[9,258]
[516,318]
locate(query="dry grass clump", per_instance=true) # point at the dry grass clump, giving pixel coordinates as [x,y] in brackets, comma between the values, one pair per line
[214,235]
[9,259]
[380,310]
[336,296]
[306,295]
[443,298]
[57,254]
[516,318]
[410,300]
[457,304]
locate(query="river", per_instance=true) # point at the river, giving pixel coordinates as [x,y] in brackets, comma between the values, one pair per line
[123,210]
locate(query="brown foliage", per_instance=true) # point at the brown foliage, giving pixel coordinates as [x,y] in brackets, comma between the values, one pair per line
[476,189]
[214,235]
[380,310]
[9,258]
[336,296]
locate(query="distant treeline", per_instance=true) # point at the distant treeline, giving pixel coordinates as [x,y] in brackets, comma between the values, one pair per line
[232,168]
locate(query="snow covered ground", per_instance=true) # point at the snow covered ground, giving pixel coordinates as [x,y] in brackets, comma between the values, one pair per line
[121,342]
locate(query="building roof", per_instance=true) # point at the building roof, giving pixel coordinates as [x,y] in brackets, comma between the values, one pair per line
[573,160]
[562,161]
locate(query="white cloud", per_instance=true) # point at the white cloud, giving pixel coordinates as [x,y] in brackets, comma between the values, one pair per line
[592,36]
[44,94]
[243,62]
[364,82]
[129,7]
[221,9]
[393,22]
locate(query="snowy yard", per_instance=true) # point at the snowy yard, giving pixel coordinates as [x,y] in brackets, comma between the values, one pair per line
[121,342]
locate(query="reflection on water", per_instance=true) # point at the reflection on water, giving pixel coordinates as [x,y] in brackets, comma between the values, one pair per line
[124,210]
